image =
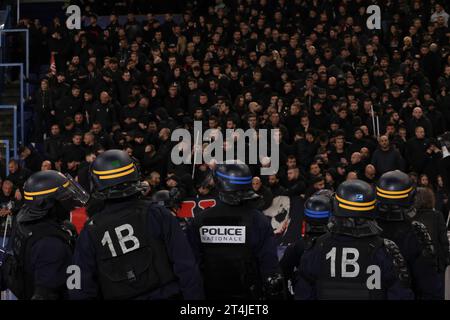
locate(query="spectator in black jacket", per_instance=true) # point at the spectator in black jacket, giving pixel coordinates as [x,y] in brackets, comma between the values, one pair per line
[264,192]
[101,136]
[75,150]
[53,144]
[416,148]
[387,158]
[43,110]
[69,105]
[131,114]
[17,175]
[31,158]
[418,119]
[104,111]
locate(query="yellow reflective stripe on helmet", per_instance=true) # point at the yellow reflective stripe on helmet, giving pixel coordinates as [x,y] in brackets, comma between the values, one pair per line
[358,204]
[38,193]
[112,176]
[392,197]
[114,170]
[28,198]
[394,192]
[356,208]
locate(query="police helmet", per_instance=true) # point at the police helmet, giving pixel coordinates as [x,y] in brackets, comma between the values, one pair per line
[43,189]
[318,207]
[233,181]
[169,199]
[395,188]
[354,198]
[114,174]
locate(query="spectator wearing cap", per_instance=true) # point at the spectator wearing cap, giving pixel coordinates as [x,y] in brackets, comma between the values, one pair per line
[387,158]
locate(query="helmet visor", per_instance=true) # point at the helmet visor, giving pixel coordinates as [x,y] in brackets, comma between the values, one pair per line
[75,191]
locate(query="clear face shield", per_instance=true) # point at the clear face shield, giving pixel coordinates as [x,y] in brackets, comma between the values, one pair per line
[74,191]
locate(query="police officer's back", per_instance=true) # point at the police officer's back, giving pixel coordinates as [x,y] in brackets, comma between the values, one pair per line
[235,242]
[396,216]
[317,211]
[132,249]
[42,245]
[351,261]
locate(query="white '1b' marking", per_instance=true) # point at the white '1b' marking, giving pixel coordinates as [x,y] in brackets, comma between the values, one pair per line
[350,260]
[124,235]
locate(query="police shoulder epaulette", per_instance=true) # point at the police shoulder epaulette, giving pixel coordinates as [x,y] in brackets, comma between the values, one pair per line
[424,238]
[398,261]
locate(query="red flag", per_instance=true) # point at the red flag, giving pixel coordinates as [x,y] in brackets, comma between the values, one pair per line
[78,217]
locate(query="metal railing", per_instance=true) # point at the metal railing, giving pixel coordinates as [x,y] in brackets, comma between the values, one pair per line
[7,151]
[27,53]
[14,109]
[21,99]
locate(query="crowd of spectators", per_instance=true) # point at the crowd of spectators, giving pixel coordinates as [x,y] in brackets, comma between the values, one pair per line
[311,69]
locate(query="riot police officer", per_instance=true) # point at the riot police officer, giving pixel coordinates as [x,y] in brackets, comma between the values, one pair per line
[396,214]
[132,249]
[317,211]
[351,261]
[234,241]
[41,244]
[172,201]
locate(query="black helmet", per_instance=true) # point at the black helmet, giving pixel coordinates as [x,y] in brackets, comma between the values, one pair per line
[44,188]
[318,207]
[354,198]
[395,188]
[169,199]
[233,181]
[115,175]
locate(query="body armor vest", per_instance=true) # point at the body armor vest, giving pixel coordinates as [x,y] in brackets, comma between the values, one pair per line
[130,262]
[346,268]
[229,267]
[18,279]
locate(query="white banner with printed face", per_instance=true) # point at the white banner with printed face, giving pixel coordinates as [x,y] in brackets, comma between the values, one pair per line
[222,234]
